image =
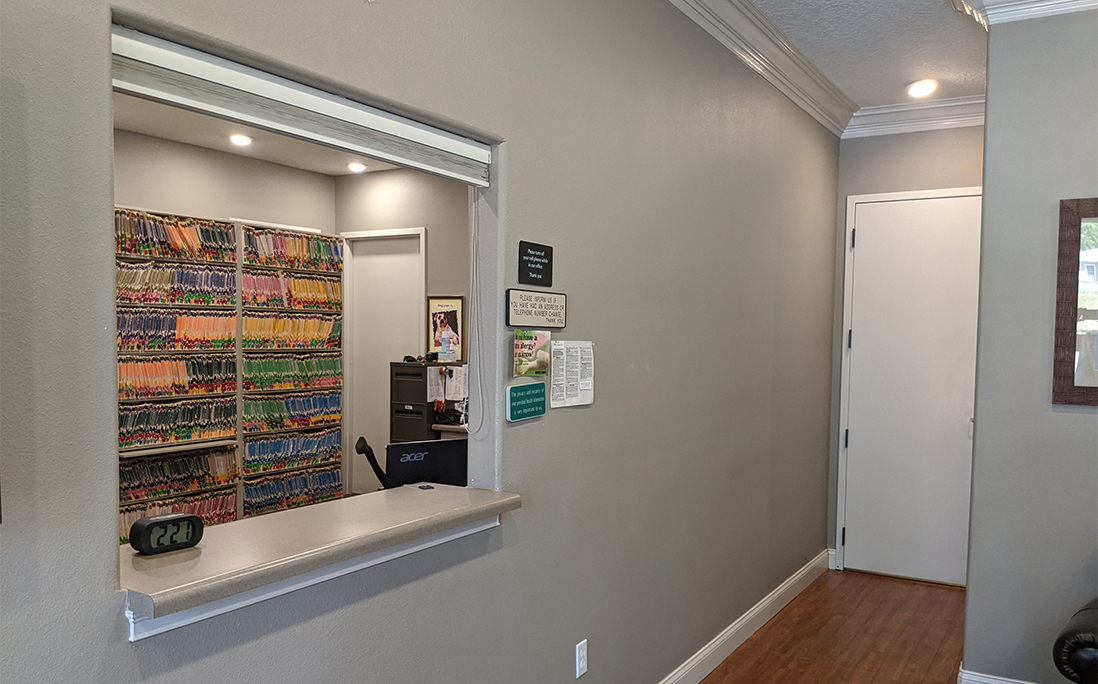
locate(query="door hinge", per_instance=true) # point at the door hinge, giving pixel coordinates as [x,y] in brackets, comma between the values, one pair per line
[844,537]
[849,338]
[853,232]
[846,440]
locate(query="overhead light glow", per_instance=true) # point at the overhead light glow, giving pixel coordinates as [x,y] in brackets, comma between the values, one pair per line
[922,88]
[241,140]
[357,167]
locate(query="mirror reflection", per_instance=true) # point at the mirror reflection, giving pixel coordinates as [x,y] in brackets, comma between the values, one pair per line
[1086,331]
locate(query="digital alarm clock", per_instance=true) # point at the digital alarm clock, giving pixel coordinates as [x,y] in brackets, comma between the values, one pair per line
[168,532]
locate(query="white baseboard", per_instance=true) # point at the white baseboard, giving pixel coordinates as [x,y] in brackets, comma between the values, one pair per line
[966,677]
[698,667]
[831,564]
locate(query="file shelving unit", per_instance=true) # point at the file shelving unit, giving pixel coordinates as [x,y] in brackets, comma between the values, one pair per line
[303,463]
[162,470]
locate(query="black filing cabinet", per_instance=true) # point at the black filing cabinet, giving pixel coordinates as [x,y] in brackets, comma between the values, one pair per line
[410,416]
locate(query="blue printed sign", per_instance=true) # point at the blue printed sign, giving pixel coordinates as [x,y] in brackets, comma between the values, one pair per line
[525,401]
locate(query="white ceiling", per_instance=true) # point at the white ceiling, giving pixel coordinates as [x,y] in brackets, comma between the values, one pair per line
[181,125]
[873,49]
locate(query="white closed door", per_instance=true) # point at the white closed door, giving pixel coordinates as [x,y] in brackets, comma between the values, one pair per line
[911,360]
[386,318]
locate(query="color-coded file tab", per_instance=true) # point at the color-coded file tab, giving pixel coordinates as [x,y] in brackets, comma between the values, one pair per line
[161,283]
[266,247]
[176,421]
[278,452]
[174,237]
[214,508]
[292,371]
[145,377]
[290,490]
[288,411]
[292,291]
[153,478]
[167,330]
[291,331]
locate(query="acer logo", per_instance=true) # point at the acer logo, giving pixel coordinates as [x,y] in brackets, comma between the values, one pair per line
[407,458]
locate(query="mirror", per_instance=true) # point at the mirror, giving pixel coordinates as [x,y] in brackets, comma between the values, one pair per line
[1075,362]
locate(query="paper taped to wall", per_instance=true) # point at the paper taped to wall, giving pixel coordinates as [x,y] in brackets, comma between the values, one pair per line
[573,374]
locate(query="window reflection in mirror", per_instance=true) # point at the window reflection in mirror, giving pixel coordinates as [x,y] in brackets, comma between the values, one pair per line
[1086,331]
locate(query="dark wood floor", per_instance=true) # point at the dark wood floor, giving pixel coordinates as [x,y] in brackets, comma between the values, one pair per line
[854,628]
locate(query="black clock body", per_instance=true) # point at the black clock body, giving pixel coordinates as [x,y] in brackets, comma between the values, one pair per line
[168,532]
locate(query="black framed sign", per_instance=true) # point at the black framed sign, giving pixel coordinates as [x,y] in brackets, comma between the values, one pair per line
[535,264]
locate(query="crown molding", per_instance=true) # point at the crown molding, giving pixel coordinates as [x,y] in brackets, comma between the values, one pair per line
[1003,11]
[743,28]
[956,112]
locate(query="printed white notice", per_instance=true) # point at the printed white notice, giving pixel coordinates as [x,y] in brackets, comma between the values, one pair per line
[436,384]
[457,384]
[573,378]
[557,393]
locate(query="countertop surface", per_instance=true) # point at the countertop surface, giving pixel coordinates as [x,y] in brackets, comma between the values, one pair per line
[249,553]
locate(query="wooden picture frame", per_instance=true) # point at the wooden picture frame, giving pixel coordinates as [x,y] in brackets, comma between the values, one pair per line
[446,326]
[1069,316]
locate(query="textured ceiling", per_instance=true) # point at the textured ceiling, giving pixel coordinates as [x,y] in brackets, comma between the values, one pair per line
[873,49]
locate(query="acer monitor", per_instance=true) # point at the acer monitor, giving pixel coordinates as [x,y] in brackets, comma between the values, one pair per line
[442,461]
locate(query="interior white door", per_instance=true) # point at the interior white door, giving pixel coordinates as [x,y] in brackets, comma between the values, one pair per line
[385,318]
[911,382]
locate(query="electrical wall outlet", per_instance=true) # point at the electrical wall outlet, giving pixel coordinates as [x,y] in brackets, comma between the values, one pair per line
[581,658]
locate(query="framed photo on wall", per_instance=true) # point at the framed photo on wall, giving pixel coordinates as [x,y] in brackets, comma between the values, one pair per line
[446,327]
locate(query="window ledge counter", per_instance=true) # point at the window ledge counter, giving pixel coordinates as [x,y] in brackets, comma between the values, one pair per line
[254,559]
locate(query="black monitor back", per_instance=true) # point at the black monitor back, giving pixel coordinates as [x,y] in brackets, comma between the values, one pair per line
[442,461]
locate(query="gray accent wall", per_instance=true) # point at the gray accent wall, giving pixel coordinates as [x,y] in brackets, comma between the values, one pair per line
[162,175]
[1033,548]
[692,210]
[927,160]
[402,198]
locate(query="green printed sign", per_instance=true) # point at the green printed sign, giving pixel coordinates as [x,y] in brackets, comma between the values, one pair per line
[525,401]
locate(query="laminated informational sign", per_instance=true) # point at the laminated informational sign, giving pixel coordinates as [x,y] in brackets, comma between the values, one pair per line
[531,353]
[531,309]
[525,401]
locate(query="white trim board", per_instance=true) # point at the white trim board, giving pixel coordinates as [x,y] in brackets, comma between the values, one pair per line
[935,115]
[163,71]
[743,28]
[1004,11]
[419,234]
[702,663]
[278,226]
[966,677]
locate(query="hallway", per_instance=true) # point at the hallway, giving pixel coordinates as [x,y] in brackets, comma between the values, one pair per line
[855,628]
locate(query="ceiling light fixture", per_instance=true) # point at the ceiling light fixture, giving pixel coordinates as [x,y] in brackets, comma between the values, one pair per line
[241,140]
[357,167]
[922,88]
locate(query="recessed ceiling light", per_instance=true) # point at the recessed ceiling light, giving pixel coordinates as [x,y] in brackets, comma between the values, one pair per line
[238,139]
[922,88]
[357,167]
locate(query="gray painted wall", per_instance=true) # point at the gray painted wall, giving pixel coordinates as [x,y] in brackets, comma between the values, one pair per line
[403,198]
[1033,550]
[162,175]
[928,160]
[691,207]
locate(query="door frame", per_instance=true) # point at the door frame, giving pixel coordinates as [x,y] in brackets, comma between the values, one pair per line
[852,202]
[348,330]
